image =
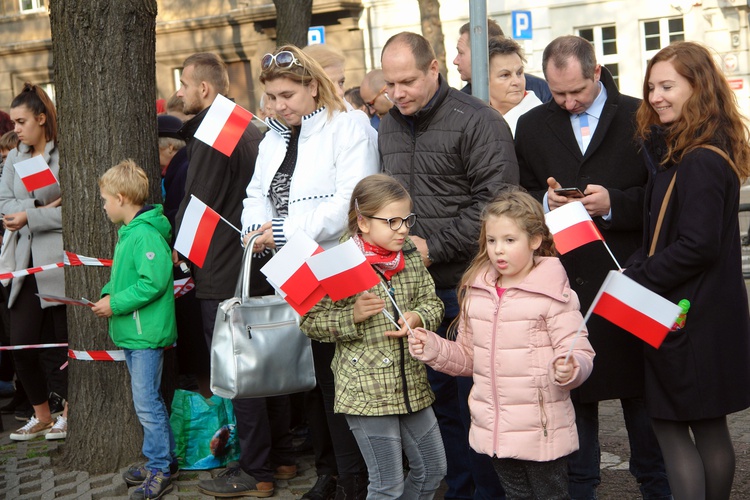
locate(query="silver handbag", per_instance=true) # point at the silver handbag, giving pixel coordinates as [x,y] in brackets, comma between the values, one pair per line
[258,349]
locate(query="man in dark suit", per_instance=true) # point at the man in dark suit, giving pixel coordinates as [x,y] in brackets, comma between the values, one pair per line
[584,138]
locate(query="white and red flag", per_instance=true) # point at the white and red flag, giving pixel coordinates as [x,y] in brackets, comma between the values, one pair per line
[65,300]
[288,272]
[35,173]
[343,271]
[572,227]
[635,308]
[183,286]
[198,225]
[223,125]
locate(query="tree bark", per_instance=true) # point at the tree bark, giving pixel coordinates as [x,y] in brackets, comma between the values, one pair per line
[292,21]
[432,30]
[104,71]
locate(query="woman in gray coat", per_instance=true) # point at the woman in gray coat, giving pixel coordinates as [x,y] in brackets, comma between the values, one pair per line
[33,221]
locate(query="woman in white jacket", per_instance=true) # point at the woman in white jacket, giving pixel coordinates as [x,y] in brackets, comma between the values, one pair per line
[308,164]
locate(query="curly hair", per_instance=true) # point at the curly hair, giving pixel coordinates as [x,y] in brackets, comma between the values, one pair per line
[709,116]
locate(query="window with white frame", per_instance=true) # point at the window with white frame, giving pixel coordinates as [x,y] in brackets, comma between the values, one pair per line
[658,33]
[604,40]
[32,6]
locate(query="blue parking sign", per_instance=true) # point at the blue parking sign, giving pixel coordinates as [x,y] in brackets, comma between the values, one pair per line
[521,24]
[316,34]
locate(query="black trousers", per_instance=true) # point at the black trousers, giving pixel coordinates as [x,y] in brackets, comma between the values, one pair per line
[262,423]
[39,369]
[336,450]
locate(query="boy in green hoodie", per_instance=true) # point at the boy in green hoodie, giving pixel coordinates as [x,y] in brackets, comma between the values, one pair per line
[139,302]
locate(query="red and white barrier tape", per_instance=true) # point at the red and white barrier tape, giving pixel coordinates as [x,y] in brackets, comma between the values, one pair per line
[73,259]
[29,346]
[31,270]
[117,355]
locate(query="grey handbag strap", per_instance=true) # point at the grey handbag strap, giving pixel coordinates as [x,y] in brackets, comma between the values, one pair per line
[243,282]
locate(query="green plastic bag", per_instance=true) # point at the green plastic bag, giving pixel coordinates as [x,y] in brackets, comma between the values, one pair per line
[204,431]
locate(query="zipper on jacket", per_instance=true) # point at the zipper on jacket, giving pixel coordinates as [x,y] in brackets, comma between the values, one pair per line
[403,376]
[137,319]
[493,376]
[543,411]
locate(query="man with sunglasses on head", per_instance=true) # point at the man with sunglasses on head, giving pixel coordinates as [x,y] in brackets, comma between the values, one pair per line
[219,181]
[373,92]
[453,153]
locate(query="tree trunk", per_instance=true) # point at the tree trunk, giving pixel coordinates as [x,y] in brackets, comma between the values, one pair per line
[104,71]
[432,30]
[292,21]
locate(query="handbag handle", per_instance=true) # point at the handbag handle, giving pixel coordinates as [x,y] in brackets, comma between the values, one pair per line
[665,201]
[660,219]
[243,283]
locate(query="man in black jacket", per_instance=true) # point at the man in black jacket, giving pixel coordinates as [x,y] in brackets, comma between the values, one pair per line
[584,138]
[220,182]
[453,153]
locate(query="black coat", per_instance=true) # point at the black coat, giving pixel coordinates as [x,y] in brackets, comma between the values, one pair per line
[219,182]
[546,146]
[703,370]
[453,156]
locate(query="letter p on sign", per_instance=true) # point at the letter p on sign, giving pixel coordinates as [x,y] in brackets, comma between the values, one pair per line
[521,24]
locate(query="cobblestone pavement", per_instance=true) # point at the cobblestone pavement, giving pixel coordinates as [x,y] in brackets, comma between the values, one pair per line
[25,471]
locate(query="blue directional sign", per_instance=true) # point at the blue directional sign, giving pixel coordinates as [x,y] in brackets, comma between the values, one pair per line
[316,34]
[521,24]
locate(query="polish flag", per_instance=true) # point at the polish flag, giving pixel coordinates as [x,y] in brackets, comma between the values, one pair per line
[197,229]
[223,125]
[35,173]
[183,287]
[571,226]
[288,272]
[634,308]
[343,271]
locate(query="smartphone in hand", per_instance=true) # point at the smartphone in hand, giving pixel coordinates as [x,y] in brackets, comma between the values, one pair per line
[573,192]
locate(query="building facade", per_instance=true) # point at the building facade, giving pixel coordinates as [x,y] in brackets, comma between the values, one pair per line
[625,33]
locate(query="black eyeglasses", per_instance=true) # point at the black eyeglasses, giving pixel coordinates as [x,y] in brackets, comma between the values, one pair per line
[395,223]
[283,59]
[372,103]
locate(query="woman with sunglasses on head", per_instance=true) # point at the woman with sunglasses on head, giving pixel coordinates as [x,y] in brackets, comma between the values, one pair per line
[33,223]
[696,148]
[308,164]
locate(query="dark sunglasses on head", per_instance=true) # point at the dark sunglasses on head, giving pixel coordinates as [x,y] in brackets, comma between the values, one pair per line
[283,59]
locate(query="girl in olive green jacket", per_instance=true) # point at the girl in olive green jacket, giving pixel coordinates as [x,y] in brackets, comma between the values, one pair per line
[383,391]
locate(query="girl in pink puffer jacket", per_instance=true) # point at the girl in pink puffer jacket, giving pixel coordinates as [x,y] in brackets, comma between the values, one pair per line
[518,322]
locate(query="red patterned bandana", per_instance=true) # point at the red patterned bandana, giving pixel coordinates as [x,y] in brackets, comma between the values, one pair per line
[385,261]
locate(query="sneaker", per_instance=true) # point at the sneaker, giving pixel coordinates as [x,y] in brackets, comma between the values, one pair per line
[285,472]
[324,489]
[56,404]
[31,430]
[156,485]
[234,482]
[136,474]
[59,430]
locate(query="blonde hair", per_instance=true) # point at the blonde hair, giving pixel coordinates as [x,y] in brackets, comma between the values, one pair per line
[326,55]
[527,213]
[309,70]
[9,140]
[370,195]
[128,179]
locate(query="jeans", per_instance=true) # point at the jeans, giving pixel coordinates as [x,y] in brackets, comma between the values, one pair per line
[646,462]
[382,439]
[145,367]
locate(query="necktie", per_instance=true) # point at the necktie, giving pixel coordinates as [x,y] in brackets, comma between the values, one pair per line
[583,124]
